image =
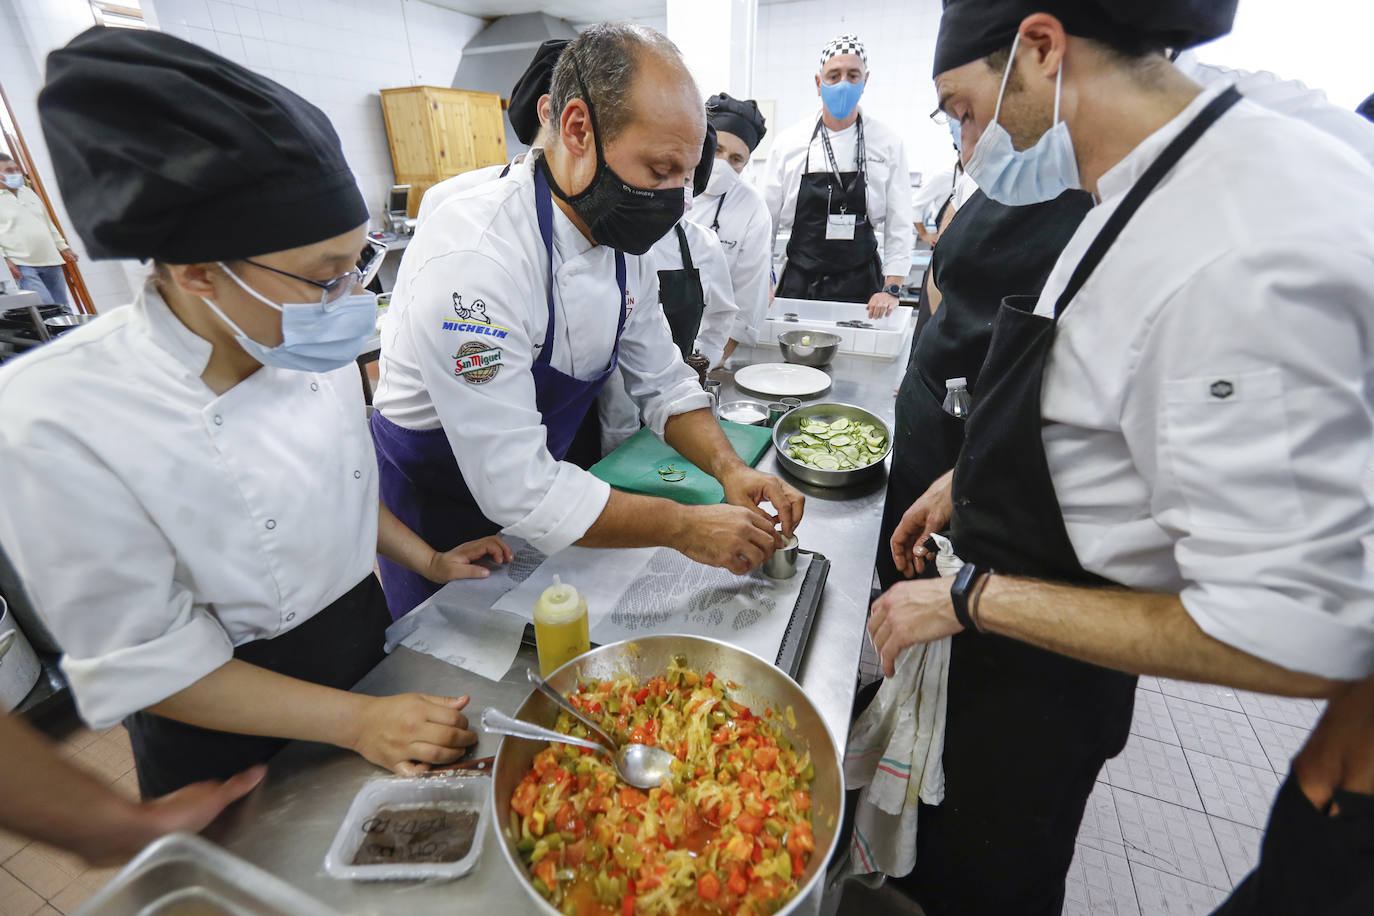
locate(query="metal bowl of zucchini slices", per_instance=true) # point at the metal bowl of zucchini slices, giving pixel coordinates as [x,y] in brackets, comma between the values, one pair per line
[831,445]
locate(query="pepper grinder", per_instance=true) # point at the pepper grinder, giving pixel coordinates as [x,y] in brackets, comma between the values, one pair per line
[699,363]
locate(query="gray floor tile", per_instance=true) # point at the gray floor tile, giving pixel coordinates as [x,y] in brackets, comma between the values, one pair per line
[1159,892]
[1099,882]
[1280,742]
[1148,682]
[1151,719]
[1171,838]
[1212,695]
[1301,713]
[1155,769]
[1239,845]
[1100,828]
[1235,791]
[1216,731]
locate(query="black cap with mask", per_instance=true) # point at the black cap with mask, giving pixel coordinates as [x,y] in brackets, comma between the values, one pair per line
[532,84]
[973,29]
[165,150]
[740,117]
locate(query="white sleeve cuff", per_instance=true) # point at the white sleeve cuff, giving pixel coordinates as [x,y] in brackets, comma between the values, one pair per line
[743,331]
[109,687]
[683,397]
[899,268]
[567,509]
[1292,634]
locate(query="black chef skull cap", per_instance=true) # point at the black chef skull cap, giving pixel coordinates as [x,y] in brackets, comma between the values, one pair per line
[532,84]
[740,117]
[972,29]
[167,151]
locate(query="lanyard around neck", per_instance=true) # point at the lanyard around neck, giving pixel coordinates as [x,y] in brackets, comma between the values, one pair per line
[860,152]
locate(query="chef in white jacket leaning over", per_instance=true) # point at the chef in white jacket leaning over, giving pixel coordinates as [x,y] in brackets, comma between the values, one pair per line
[734,210]
[837,182]
[513,306]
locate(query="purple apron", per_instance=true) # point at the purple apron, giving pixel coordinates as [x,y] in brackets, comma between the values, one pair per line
[420,480]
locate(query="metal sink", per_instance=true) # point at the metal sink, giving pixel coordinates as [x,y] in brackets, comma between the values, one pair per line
[183,875]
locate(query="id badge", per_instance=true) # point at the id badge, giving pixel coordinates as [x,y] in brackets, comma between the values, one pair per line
[840,226]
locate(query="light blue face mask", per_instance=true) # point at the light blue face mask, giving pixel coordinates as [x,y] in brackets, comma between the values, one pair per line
[316,337]
[14,181]
[1030,176]
[841,98]
[956,132]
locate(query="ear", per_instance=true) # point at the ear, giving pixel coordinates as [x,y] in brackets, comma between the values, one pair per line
[575,129]
[1042,45]
[818,84]
[543,108]
[196,279]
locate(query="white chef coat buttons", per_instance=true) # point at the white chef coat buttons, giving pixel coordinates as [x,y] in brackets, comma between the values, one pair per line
[314,386]
[271,523]
[219,421]
[291,616]
[357,474]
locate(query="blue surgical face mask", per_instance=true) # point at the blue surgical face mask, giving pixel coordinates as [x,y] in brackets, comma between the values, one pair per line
[1030,176]
[841,98]
[956,132]
[14,181]
[315,337]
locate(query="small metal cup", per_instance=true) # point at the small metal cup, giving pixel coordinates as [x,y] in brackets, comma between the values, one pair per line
[776,411]
[790,403]
[712,388]
[783,563]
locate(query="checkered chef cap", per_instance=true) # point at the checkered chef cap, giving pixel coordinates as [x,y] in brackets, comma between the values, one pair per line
[844,44]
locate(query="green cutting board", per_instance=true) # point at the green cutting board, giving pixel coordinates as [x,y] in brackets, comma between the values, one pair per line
[634,466]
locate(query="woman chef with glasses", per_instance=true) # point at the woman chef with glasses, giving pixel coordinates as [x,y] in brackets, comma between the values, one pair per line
[191,490]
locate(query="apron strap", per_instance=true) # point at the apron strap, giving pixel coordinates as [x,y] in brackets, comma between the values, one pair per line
[1141,190]
[543,208]
[682,246]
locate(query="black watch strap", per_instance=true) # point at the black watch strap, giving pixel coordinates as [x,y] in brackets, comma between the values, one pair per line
[893,289]
[964,581]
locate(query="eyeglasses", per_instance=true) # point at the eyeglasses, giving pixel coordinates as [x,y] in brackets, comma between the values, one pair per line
[369,262]
[940,117]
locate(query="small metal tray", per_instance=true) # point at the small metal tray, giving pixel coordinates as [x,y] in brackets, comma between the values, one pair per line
[181,875]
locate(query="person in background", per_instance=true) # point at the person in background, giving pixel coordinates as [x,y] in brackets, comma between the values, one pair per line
[529,115]
[838,183]
[217,481]
[736,213]
[1125,502]
[44,797]
[33,248]
[515,303]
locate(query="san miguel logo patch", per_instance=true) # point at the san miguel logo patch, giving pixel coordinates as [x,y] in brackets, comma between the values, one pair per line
[477,362]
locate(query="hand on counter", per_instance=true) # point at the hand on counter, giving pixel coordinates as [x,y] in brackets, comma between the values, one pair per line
[882,304]
[408,732]
[927,515]
[460,562]
[909,613]
[748,487]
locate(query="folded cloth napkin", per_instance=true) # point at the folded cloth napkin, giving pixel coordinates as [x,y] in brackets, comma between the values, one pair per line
[894,752]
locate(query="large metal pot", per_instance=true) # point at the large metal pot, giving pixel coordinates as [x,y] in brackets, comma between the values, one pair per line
[790,424]
[761,685]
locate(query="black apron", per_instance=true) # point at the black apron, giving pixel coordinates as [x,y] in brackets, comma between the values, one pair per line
[988,251]
[1026,730]
[683,301]
[840,270]
[335,648]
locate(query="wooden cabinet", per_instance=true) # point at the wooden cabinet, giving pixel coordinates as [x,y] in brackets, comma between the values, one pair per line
[437,133]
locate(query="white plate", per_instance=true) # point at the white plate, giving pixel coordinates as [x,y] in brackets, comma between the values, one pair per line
[782,380]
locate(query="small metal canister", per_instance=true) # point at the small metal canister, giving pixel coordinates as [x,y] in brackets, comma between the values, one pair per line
[776,411]
[783,563]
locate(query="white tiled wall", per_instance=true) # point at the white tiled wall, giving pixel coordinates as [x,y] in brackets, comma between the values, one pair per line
[900,39]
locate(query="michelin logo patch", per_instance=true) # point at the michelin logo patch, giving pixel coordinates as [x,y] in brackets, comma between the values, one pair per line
[475,312]
[467,327]
[477,362]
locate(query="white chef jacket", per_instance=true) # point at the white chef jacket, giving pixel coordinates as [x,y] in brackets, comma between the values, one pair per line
[158,525]
[1207,398]
[484,246]
[889,183]
[27,235]
[746,236]
[451,187]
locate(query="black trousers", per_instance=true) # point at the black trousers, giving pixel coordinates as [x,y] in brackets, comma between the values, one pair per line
[1026,732]
[336,648]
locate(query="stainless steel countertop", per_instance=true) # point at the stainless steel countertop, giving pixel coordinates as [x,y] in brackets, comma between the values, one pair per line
[287,824]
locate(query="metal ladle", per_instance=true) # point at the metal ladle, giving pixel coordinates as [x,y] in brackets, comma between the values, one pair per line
[638,764]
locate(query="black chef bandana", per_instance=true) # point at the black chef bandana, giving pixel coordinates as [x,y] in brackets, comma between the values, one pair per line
[740,117]
[702,173]
[164,150]
[973,29]
[533,83]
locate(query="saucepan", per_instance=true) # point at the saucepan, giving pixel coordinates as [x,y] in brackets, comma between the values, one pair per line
[761,685]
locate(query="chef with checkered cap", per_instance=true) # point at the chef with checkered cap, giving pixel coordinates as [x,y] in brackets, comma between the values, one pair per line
[837,184]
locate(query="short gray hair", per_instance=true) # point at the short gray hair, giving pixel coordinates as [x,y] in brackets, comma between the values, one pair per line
[607,56]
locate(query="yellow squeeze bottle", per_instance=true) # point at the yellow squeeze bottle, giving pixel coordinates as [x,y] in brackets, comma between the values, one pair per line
[560,626]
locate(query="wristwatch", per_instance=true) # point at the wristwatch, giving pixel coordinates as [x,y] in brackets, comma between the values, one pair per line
[965,581]
[894,290]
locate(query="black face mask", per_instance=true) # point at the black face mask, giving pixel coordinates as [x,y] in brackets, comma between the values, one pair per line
[619,214]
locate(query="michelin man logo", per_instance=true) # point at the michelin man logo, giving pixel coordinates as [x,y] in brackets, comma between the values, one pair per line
[475,312]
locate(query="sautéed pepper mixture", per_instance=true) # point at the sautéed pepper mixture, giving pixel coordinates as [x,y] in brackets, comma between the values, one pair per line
[728,834]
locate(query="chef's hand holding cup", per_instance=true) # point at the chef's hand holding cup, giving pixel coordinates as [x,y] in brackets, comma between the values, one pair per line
[730,537]
[411,732]
[927,515]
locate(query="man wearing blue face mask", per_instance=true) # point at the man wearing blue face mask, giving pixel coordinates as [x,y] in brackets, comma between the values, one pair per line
[837,184]
[33,248]
[1161,472]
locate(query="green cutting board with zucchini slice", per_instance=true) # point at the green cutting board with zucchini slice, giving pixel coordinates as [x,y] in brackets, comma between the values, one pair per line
[634,466]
